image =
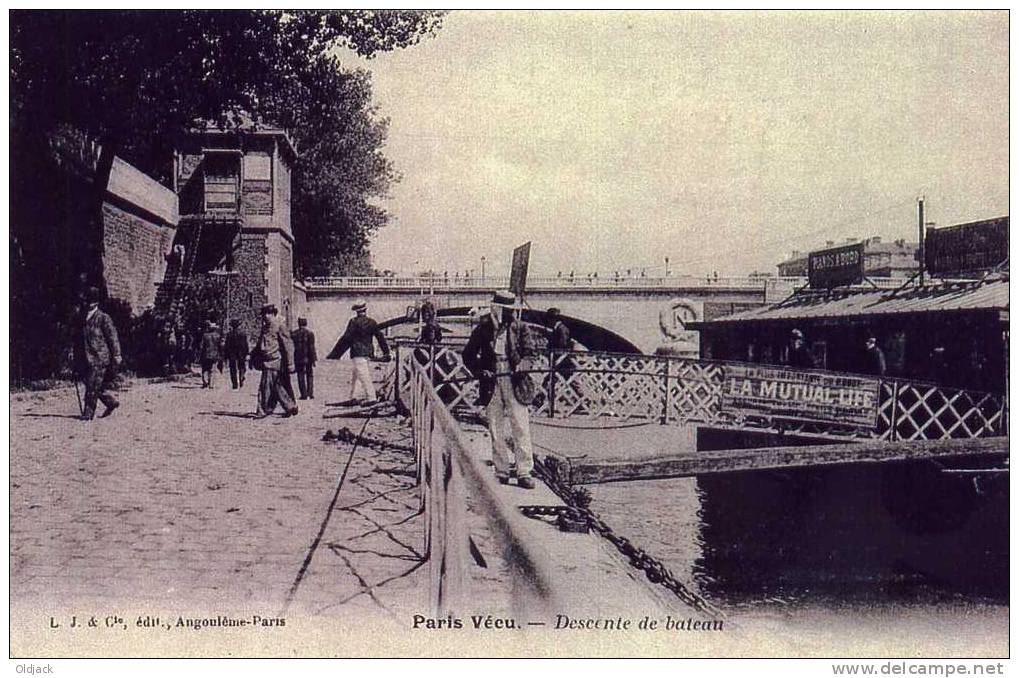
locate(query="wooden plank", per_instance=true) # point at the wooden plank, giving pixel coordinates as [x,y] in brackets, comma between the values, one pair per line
[731,461]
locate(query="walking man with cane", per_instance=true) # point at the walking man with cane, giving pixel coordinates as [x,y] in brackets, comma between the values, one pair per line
[274,354]
[99,357]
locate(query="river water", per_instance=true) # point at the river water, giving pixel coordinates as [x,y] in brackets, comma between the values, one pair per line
[849,559]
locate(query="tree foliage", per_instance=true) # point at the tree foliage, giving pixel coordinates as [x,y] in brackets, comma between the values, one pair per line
[137,79]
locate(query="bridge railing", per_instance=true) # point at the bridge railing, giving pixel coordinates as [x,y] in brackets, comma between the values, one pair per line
[547,282]
[685,391]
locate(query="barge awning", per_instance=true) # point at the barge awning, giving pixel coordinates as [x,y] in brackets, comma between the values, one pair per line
[988,295]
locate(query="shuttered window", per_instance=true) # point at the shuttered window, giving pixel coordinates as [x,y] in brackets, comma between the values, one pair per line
[221,179]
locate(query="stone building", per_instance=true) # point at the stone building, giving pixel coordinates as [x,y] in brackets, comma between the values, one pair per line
[73,225]
[896,259]
[234,233]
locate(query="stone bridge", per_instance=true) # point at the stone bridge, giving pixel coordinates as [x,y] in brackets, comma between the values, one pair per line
[625,314]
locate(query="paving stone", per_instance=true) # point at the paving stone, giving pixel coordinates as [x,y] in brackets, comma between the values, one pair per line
[181,497]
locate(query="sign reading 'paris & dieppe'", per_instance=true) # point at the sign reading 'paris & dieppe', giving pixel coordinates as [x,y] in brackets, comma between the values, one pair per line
[835,267]
[751,390]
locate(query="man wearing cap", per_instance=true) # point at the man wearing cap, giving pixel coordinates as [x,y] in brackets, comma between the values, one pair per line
[304,358]
[875,363]
[559,342]
[358,337]
[209,352]
[799,354]
[236,350]
[98,357]
[275,355]
[498,353]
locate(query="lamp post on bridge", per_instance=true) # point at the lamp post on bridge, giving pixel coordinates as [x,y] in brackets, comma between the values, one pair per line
[482,269]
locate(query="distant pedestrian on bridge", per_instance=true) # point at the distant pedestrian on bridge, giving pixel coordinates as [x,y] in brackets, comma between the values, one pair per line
[498,353]
[305,359]
[358,338]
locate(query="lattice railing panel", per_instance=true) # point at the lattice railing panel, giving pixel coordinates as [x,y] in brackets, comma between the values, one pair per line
[929,412]
[611,385]
[695,390]
[684,391]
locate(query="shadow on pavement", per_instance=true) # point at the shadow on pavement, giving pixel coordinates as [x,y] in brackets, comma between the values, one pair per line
[239,415]
[359,414]
[57,416]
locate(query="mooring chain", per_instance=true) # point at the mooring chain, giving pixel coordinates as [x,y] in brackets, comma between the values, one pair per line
[576,511]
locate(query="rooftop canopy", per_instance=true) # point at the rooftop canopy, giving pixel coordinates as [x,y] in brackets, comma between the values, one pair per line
[985,295]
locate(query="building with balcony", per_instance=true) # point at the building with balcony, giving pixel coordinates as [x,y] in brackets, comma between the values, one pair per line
[234,233]
[895,259]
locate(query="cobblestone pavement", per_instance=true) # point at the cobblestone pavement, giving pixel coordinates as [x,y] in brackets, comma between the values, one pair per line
[182,500]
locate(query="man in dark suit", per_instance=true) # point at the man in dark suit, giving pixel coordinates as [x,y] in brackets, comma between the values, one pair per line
[304,358]
[275,354]
[360,333]
[99,357]
[559,343]
[236,350]
[799,354]
[208,352]
[875,363]
[498,353]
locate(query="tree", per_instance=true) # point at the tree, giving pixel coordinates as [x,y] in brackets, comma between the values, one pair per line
[135,80]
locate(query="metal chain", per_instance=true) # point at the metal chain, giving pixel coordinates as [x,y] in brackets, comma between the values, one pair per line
[577,500]
[345,435]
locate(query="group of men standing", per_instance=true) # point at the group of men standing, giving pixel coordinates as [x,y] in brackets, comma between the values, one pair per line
[277,354]
[498,353]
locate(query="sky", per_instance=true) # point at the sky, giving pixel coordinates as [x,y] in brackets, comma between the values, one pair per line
[720,140]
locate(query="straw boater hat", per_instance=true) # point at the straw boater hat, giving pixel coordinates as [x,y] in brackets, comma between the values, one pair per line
[360,305]
[506,299]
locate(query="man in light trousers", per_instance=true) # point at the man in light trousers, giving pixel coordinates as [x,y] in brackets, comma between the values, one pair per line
[358,337]
[498,353]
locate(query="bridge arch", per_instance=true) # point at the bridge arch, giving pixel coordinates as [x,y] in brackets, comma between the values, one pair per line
[589,335]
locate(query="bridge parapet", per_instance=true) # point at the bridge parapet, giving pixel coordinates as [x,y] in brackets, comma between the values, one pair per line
[558,283]
[488,283]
